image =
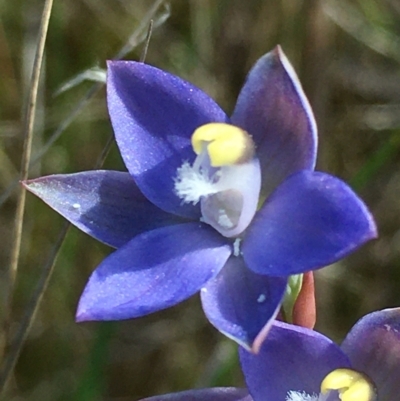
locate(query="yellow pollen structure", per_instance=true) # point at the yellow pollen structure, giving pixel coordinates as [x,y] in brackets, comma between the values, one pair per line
[226,144]
[352,385]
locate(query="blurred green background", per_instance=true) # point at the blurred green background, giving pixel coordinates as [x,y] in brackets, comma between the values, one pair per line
[347,55]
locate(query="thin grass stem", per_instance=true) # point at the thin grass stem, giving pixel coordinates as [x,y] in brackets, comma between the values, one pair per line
[29,120]
[30,313]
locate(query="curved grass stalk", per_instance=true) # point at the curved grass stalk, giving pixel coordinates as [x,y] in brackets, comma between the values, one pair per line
[29,119]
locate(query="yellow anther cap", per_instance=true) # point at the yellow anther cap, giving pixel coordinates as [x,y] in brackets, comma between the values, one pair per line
[226,144]
[352,385]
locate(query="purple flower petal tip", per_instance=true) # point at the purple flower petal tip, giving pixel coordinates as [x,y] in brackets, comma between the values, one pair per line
[280,58]
[273,108]
[82,315]
[104,204]
[242,304]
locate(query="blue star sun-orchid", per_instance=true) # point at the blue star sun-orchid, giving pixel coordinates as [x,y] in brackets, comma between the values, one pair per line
[229,206]
[298,364]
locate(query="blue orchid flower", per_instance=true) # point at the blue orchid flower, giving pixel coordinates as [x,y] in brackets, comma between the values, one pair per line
[298,364]
[229,206]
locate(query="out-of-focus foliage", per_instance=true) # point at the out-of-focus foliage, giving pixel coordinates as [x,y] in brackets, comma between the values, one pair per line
[347,54]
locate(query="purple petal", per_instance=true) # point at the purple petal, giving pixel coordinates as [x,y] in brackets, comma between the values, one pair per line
[242,304]
[154,114]
[208,394]
[310,221]
[272,107]
[104,204]
[373,346]
[292,359]
[155,270]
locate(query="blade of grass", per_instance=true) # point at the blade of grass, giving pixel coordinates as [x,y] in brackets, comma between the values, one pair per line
[29,316]
[92,383]
[29,119]
[222,366]
[384,154]
[355,24]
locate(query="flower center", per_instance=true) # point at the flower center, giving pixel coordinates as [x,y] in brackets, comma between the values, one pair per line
[340,385]
[225,177]
[301,396]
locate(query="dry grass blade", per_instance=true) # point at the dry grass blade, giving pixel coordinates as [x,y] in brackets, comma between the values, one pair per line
[30,313]
[355,24]
[29,119]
